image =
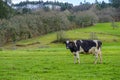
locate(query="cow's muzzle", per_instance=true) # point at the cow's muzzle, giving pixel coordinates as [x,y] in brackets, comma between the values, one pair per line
[67,47]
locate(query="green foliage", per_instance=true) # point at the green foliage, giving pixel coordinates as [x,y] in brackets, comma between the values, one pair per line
[66,6]
[26,10]
[102,5]
[5,10]
[115,3]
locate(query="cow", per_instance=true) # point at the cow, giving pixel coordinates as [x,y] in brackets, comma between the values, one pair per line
[85,47]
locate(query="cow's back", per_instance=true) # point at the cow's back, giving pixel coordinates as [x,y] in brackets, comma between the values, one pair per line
[87,45]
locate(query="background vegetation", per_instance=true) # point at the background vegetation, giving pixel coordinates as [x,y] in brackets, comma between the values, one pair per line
[32,23]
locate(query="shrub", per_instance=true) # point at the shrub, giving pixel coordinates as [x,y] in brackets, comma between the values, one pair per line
[93,36]
[61,36]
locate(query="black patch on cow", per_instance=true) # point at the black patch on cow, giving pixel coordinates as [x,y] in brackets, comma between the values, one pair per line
[87,45]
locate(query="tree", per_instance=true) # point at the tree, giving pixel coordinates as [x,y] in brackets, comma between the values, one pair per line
[5,10]
[66,6]
[26,10]
[115,3]
[103,4]
[114,25]
[106,14]
[85,18]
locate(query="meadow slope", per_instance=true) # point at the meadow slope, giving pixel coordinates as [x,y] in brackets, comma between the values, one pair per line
[49,61]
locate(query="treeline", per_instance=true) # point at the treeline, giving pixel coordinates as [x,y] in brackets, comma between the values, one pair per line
[41,22]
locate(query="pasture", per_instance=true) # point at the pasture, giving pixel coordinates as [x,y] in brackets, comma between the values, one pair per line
[49,61]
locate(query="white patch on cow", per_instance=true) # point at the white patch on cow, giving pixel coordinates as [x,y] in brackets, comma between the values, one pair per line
[96,42]
[92,50]
[75,43]
[99,50]
[81,49]
[76,57]
[81,41]
[100,55]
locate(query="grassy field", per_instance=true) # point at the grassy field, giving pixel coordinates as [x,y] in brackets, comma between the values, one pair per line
[49,61]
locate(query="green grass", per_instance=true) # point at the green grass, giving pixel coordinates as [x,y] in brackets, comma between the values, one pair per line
[48,61]
[57,64]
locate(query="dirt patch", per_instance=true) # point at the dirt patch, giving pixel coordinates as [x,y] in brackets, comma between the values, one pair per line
[24,45]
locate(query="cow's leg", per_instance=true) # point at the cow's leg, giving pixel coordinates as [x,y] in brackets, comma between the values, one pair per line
[75,58]
[78,57]
[96,56]
[100,55]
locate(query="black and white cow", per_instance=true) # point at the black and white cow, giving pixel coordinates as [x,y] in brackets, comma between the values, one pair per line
[86,47]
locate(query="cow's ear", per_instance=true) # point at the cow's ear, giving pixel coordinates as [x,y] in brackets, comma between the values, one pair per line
[67,41]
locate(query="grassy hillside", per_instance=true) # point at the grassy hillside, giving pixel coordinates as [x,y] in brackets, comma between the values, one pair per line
[104,32]
[39,59]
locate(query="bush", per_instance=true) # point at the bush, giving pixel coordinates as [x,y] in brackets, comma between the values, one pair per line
[61,36]
[93,36]
[114,25]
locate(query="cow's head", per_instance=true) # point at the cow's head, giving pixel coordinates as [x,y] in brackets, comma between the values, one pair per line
[70,44]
